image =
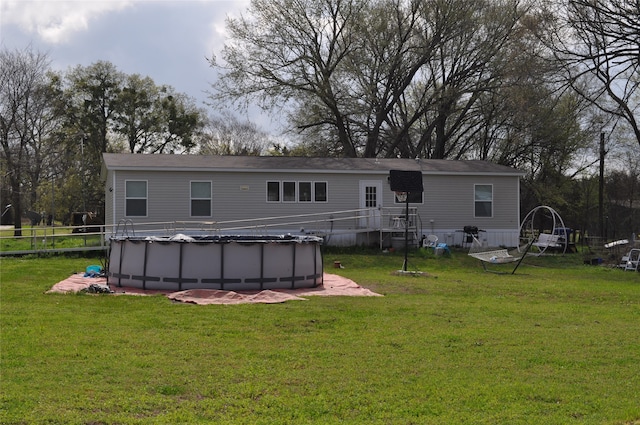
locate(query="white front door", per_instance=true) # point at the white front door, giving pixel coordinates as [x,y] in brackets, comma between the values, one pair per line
[370,203]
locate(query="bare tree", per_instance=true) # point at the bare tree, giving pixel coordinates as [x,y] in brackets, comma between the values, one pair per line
[599,47]
[468,66]
[227,135]
[22,81]
[284,49]
[372,78]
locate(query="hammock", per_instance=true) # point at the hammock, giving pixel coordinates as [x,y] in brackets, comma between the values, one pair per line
[497,256]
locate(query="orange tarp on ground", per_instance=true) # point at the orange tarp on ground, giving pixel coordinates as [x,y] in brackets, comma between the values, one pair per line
[333,285]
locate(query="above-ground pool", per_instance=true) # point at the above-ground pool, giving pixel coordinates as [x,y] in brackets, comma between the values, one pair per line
[215,262]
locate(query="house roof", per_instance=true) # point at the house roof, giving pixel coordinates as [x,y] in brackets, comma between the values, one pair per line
[149,162]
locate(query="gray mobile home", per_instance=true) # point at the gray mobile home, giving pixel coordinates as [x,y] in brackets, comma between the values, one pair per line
[348,201]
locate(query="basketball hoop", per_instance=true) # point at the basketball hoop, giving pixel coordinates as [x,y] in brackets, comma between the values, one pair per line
[401,196]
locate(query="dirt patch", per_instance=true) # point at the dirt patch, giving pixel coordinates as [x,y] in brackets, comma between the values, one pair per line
[333,285]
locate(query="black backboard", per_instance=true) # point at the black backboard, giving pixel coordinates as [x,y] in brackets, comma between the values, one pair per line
[405,181]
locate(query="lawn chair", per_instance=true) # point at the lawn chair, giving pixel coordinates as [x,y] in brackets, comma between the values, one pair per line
[430,241]
[632,260]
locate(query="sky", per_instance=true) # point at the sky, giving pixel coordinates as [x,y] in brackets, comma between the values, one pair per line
[167,40]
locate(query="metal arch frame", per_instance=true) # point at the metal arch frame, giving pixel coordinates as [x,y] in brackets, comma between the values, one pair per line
[529,219]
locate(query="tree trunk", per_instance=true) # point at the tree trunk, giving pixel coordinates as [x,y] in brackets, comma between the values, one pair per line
[439,148]
[16,202]
[347,145]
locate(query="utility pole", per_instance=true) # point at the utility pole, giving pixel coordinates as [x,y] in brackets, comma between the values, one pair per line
[82,175]
[601,221]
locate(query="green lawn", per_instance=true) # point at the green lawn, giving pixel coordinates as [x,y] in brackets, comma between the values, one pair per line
[556,343]
[42,238]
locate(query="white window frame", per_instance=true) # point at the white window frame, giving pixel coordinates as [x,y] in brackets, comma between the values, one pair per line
[146,198]
[191,198]
[476,200]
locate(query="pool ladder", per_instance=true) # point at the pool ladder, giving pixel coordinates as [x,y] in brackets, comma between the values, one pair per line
[127,225]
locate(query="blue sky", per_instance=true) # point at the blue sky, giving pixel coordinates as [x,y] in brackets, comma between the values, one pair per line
[167,40]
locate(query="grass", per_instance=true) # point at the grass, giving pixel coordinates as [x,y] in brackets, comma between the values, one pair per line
[41,238]
[557,343]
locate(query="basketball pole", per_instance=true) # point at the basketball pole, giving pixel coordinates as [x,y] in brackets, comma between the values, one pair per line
[406,233]
[404,182]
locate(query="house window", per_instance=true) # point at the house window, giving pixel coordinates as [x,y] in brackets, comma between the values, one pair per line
[200,199]
[296,191]
[304,191]
[320,191]
[289,191]
[135,198]
[273,191]
[483,200]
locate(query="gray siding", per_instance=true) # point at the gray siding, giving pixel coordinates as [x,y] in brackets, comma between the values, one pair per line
[109,197]
[236,196]
[447,200]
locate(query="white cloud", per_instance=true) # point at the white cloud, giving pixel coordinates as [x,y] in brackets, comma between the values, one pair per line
[58,21]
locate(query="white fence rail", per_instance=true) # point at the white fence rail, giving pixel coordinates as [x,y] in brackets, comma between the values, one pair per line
[337,227]
[82,238]
[42,239]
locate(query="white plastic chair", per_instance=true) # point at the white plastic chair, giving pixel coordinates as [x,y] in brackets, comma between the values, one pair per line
[430,241]
[633,260]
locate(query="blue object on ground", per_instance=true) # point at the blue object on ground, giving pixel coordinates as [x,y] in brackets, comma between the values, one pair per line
[93,271]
